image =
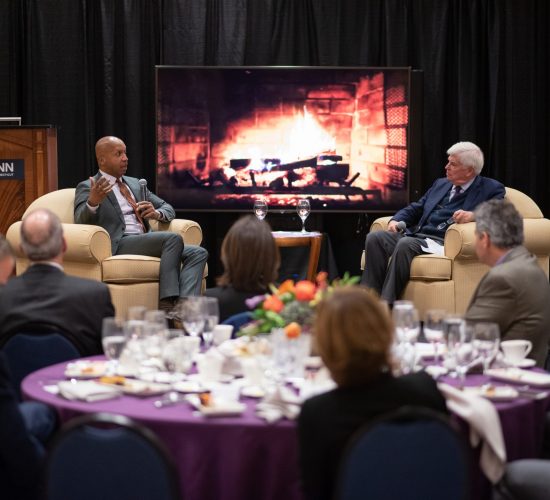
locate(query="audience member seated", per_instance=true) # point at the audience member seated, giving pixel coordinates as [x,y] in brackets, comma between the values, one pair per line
[251,260]
[23,429]
[527,479]
[515,293]
[353,334]
[44,298]
[7,260]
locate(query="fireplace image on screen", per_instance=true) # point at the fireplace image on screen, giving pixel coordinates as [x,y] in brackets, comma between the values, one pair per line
[336,136]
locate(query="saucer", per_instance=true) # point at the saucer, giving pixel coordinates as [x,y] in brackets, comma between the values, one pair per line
[522,363]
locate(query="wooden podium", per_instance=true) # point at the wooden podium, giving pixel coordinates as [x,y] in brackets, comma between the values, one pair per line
[28,169]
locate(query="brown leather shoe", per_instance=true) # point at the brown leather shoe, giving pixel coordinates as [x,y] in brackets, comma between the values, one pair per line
[167,304]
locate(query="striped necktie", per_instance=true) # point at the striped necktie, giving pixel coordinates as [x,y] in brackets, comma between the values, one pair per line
[130,199]
[456,191]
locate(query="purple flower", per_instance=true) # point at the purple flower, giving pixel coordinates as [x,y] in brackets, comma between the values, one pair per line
[253,302]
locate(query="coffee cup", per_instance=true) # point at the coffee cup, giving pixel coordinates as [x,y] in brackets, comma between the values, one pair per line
[209,367]
[221,333]
[516,350]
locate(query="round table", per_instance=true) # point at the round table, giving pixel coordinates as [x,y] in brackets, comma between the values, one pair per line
[244,457]
[216,458]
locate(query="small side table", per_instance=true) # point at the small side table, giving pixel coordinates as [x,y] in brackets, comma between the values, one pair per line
[299,239]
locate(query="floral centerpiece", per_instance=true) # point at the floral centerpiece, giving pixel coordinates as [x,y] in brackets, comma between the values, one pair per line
[291,305]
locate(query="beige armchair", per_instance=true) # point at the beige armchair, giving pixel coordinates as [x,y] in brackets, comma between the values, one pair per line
[132,279]
[448,281]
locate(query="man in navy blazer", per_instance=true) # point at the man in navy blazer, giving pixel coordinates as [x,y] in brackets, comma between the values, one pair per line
[101,200]
[450,200]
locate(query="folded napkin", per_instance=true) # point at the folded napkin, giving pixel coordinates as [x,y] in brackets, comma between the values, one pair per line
[484,426]
[318,383]
[283,402]
[87,390]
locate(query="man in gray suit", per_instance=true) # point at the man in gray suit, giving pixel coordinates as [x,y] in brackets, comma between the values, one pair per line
[515,293]
[112,200]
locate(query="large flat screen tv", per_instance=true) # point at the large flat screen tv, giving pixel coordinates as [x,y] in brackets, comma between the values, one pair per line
[227,136]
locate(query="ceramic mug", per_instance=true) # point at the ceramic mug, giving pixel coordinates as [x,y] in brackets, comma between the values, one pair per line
[516,350]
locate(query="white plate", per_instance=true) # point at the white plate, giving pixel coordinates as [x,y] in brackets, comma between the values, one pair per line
[224,409]
[162,377]
[520,376]
[224,378]
[494,393]
[522,363]
[86,369]
[252,391]
[313,362]
[142,388]
[187,386]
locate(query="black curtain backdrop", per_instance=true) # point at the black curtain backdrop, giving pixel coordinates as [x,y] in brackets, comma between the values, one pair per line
[87,66]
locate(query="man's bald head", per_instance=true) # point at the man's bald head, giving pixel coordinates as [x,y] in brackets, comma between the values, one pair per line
[105,144]
[42,235]
[111,156]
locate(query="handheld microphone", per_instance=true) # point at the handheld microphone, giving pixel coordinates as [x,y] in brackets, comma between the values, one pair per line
[401,226]
[142,190]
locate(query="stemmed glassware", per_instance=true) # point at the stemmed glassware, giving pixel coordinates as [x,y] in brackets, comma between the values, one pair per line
[433,329]
[260,209]
[303,208]
[407,328]
[212,317]
[486,341]
[465,353]
[113,340]
[193,315]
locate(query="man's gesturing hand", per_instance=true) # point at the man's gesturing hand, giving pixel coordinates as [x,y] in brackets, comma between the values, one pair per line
[98,191]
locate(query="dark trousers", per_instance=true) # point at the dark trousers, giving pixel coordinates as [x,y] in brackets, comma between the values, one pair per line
[169,247]
[388,259]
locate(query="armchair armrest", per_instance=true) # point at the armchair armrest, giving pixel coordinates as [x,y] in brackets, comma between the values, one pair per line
[189,230]
[460,241]
[85,243]
[380,224]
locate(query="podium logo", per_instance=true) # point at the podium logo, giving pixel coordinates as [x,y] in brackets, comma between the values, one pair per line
[12,169]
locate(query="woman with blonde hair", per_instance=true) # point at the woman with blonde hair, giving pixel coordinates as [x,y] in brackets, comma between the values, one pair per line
[251,261]
[353,333]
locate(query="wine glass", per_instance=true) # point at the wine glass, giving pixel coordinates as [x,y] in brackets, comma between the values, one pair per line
[303,208]
[212,317]
[192,315]
[260,209]
[486,341]
[433,329]
[453,325]
[464,352]
[113,340]
[407,328]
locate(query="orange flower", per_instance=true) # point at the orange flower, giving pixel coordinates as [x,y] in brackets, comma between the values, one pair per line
[321,279]
[286,286]
[272,303]
[305,290]
[293,330]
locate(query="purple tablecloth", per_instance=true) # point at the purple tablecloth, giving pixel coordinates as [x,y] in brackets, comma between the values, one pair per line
[217,458]
[245,458]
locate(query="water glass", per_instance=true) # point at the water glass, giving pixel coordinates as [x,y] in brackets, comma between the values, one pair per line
[260,209]
[136,313]
[177,354]
[433,329]
[465,353]
[486,341]
[192,314]
[113,340]
[303,209]
[212,317]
